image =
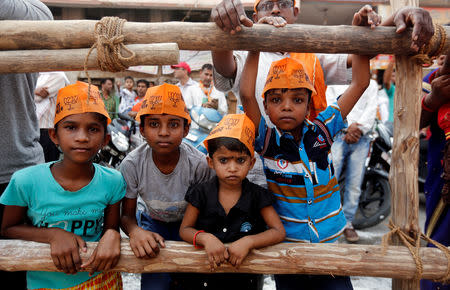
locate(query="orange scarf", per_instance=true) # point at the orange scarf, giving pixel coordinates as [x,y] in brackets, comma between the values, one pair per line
[314,70]
[207,91]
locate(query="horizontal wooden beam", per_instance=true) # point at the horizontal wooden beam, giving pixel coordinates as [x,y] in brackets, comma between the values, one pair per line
[22,61]
[286,258]
[65,34]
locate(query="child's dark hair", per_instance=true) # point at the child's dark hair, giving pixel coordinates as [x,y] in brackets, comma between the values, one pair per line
[231,144]
[283,90]
[129,78]
[142,121]
[102,119]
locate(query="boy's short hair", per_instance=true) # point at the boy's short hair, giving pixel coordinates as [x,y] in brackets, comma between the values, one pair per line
[147,84]
[231,144]
[106,79]
[285,90]
[207,66]
[129,78]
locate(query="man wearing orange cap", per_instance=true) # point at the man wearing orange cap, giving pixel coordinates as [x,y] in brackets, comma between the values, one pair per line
[190,89]
[296,155]
[229,15]
[160,172]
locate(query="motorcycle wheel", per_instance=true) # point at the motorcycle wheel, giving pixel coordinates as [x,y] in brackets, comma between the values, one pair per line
[374,203]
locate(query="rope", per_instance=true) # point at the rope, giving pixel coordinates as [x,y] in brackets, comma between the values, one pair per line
[424,57]
[414,246]
[109,42]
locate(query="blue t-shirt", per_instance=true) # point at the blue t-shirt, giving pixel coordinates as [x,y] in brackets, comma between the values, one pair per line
[301,176]
[49,205]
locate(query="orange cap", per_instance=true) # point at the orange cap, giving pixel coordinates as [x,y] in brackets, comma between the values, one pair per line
[73,99]
[164,99]
[256,4]
[237,126]
[287,73]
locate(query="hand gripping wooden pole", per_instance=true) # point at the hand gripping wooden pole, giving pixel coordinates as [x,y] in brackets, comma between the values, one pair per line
[284,258]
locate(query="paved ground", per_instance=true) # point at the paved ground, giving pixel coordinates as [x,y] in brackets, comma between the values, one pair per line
[368,236]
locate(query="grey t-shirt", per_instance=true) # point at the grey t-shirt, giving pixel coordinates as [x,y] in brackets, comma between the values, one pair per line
[19,126]
[163,194]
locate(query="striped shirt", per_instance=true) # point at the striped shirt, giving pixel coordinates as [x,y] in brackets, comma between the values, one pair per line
[301,176]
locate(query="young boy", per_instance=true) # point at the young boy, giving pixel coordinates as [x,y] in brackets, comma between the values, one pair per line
[228,208]
[71,201]
[160,172]
[127,95]
[296,155]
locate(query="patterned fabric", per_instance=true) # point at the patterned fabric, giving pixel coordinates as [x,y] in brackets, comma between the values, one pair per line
[110,105]
[103,281]
[301,176]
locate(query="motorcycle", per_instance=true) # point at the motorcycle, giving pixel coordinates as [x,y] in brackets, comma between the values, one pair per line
[125,137]
[375,200]
[203,121]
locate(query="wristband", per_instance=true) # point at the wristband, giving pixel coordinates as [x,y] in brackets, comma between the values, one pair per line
[425,107]
[195,239]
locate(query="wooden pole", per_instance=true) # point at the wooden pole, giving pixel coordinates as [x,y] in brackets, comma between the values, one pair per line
[23,61]
[285,258]
[64,34]
[405,154]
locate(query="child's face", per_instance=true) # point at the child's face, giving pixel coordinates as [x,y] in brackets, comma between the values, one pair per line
[287,110]
[129,84]
[231,166]
[80,136]
[164,133]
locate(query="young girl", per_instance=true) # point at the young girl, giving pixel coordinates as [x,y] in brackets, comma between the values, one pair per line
[70,201]
[229,208]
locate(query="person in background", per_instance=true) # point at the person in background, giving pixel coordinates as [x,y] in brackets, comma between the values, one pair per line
[351,147]
[192,94]
[127,95]
[389,86]
[19,125]
[141,88]
[435,108]
[109,99]
[47,87]
[212,98]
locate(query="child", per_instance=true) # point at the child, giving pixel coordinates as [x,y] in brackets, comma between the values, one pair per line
[229,208]
[296,155]
[127,96]
[160,172]
[70,201]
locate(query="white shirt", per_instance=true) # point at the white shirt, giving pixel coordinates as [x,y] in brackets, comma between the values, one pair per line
[192,94]
[365,110]
[220,96]
[45,107]
[334,68]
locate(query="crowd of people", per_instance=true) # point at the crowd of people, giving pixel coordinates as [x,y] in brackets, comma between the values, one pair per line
[303,135]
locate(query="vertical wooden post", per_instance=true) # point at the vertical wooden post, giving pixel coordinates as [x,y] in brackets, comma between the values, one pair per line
[404,169]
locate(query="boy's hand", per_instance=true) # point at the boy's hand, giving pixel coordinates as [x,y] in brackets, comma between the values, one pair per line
[276,21]
[229,15]
[238,250]
[217,253]
[353,134]
[366,16]
[145,243]
[42,92]
[421,21]
[106,254]
[64,247]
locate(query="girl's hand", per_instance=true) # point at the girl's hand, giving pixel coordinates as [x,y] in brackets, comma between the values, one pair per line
[238,250]
[64,247]
[145,243]
[366,16]
[106,254]
[217,253]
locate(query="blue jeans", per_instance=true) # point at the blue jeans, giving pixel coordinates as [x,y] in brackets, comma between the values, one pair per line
[298,282]
[354,158]
[169,231]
